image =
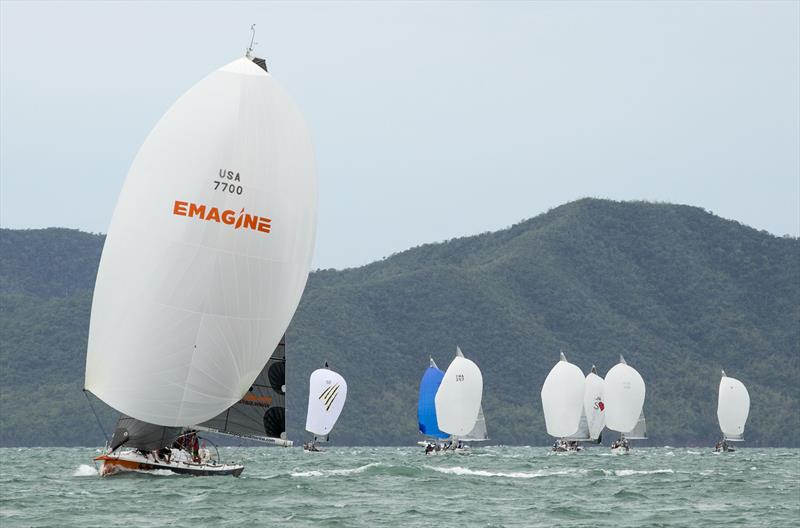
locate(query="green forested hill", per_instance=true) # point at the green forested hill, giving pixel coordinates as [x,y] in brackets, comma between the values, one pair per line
[680,292]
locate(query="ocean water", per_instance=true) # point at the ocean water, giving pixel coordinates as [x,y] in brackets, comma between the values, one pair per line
[386,486]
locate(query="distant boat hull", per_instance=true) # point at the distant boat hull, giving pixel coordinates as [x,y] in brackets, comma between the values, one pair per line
[133,462]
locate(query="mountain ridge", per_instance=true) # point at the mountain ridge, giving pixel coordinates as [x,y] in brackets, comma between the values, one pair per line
[677,290]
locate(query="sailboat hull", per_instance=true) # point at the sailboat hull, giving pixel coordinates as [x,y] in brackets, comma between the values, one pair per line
[134,462]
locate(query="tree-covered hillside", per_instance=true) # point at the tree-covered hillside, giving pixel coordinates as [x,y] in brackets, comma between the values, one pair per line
[681,293]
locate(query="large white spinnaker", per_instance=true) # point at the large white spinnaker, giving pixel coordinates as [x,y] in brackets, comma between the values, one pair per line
[732,408]
[562,399]
[327,392]
[208,251]
[458,400]
[593,404]
[623,393]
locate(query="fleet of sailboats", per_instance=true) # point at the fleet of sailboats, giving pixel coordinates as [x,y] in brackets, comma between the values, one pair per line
[202,270]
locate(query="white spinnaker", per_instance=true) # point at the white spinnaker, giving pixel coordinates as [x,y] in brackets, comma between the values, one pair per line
[732,408]
[593,405]
[458,399]
[188,309]
[623,393]
[562,399]
[327,392]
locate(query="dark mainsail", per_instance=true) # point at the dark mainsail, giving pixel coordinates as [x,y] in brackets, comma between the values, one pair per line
[134,433]
[261,413]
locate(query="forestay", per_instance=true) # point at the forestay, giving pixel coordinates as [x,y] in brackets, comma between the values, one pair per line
[593,405]
[732,408]
[426,406]
[562,399]
[624,393]
[207,253]
[261,413]
[458,399]
[327,392]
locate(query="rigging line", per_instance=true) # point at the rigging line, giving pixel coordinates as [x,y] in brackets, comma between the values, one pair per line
[99,424]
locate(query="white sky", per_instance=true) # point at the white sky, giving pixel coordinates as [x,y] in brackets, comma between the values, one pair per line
[430,120]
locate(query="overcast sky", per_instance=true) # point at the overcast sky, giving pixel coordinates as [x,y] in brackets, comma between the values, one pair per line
[430,121]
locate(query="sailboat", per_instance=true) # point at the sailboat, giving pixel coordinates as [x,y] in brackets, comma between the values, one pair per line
[327,392]
[426,407]
[590,429]
[733,407]
[458,401]
[203,267]
[594,405]
[562,403]
[624,393]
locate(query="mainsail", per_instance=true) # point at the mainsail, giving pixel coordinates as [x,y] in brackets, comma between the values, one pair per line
[426,407]
[593,404]
[732,408]
[478,433]
[327,392]
[639,432]
[624,393]
[562,399]
[582,434]
[208,251]
[261,413]
[458,399]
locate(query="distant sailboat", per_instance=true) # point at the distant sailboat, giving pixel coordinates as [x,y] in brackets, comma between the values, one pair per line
[624,393]
[203,267]
[562,403]
[594,405]
[458,399]
[327,392]
[732,409]
[426,405]
[592,421]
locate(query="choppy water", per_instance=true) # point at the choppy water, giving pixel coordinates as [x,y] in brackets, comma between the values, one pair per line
[493,486]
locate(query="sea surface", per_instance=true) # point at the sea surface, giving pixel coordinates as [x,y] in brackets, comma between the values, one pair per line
[387,486]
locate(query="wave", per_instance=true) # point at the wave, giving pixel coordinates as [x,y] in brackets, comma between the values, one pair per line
[85,470]
[629,472]
[335,472]
[462,471]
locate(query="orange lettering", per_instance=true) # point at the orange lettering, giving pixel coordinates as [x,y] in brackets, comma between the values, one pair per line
[263,224]
[250,221]
[213,214]
[197,210]
[179,208]
[228,216]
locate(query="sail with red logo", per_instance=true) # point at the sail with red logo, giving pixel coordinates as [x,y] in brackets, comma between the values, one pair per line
[206,257]
[208,251]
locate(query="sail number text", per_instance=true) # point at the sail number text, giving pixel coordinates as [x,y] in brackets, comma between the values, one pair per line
[231,186]
[459,377]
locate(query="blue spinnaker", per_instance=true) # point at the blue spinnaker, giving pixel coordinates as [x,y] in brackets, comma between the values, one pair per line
[426,409]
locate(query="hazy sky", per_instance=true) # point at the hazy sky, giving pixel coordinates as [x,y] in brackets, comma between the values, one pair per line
[430,121]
